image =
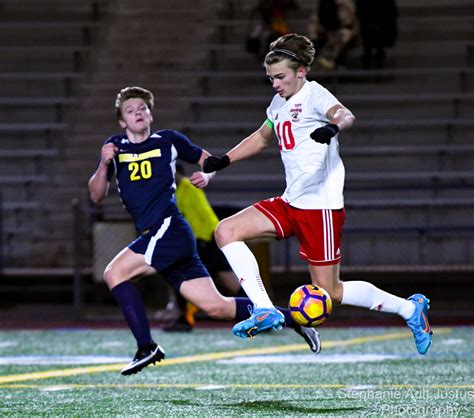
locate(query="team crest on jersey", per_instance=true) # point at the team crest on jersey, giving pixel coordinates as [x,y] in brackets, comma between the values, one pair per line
[125,141]
[295,112]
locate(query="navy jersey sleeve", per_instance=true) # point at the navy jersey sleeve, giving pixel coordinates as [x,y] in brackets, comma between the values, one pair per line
[111,167]
[187,151]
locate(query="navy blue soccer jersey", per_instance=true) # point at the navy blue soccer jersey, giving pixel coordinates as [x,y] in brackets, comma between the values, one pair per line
[145,174]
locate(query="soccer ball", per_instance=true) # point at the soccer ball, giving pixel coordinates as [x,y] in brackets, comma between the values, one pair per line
[310,305]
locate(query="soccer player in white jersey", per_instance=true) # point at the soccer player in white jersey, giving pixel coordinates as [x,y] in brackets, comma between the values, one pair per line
[305,118]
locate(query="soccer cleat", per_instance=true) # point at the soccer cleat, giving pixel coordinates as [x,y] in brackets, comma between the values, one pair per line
[144,357]
[419,324]
[262,319]
[311,336]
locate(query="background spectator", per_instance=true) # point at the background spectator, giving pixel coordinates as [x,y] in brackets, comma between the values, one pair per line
[272,23]
[333,29]
[378,28]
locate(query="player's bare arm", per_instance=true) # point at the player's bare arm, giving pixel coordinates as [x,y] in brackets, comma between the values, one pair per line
[339,118]
[252,145]
[98,183]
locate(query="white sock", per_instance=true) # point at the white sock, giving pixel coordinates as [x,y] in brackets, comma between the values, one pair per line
[366,295]
[245,266]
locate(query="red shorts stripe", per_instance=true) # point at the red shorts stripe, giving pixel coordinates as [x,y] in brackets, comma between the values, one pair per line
[328,234]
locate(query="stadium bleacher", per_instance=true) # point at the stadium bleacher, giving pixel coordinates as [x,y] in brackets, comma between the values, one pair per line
[408,157]
[45,45]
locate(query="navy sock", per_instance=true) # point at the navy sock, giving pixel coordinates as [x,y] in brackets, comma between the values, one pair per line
[243,308]
[133,309]
[288,319]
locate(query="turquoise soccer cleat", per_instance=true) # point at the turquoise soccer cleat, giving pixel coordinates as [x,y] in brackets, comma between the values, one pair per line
[419,324]
[261,320]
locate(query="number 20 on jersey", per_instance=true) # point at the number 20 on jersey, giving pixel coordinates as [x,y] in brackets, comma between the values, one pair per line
[140,170]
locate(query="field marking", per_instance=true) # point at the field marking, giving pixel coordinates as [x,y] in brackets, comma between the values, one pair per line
[229,386]
[6,344]
[208,357]
[61,360]
[312,359]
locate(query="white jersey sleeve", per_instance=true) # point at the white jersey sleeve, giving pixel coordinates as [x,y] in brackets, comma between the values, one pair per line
[273,105]
[321,100]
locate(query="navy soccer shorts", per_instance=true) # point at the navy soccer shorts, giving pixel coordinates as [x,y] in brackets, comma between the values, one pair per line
[170,248]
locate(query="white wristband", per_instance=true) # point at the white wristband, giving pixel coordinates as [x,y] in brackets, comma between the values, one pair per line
[209,176]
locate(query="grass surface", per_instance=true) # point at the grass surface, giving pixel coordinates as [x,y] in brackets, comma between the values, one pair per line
[361,371]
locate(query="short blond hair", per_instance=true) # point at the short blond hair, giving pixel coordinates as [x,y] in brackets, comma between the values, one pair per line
[132,93]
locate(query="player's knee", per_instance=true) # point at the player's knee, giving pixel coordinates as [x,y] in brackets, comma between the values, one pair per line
[224,233]
[108,277]
[111,276]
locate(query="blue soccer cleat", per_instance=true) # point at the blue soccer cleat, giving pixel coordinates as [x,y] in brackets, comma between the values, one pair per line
[419,324]
[261,320]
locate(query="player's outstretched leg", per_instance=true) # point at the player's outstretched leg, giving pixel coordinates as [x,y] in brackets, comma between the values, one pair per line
[311,336]
[144,356]
[419,324]
[261,320]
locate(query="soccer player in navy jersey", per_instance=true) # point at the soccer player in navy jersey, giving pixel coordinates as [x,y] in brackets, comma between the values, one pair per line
[144,164]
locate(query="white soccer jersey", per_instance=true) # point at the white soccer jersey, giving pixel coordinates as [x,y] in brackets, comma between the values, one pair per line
[314,172]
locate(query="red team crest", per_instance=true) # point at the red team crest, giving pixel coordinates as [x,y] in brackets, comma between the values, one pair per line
[295,112]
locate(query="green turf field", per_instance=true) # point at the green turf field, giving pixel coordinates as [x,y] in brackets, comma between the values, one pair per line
[210,372]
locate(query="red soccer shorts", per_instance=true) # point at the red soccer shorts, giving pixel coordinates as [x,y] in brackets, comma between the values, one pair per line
[318,230]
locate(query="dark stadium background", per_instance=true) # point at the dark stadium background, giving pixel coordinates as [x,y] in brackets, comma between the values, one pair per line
[409,157]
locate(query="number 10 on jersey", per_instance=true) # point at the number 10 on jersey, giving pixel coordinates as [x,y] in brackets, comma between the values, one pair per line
[286,140]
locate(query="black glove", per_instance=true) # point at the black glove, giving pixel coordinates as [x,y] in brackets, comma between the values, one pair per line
[214,163]
[324,134]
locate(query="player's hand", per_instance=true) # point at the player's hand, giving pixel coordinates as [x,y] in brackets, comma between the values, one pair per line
[215,163]
[200,179]
[108,153]
[324,134]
